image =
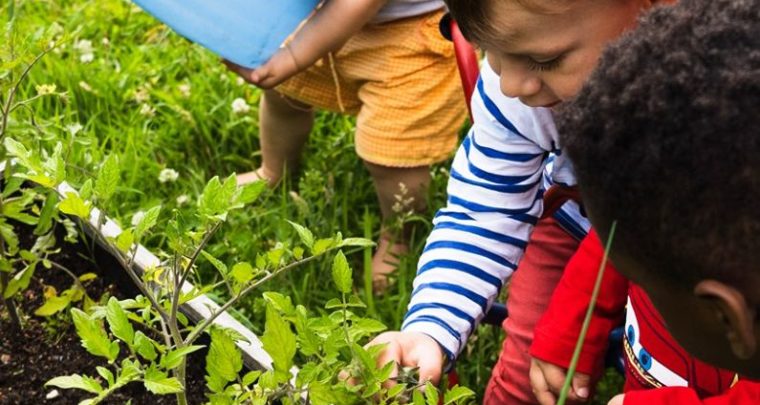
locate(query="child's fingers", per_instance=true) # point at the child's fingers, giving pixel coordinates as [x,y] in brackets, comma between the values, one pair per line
[540,387]
[391,353]
[430,361]
[617,400]
[580,385]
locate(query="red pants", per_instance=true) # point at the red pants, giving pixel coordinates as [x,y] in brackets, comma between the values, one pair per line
[530,290]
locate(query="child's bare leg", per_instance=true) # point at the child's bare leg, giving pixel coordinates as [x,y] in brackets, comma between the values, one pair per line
[410,183]
[284,126]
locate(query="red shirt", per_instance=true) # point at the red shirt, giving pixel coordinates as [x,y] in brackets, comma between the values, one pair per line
[653,358]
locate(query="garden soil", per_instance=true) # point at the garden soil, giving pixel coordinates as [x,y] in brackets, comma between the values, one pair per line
[43,350]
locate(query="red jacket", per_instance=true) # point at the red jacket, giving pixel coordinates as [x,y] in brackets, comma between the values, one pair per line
[653,359]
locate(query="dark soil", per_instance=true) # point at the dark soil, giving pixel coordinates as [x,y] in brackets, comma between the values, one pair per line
[47,349]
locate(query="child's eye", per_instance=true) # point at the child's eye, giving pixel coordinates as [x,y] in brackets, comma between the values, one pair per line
[542,66]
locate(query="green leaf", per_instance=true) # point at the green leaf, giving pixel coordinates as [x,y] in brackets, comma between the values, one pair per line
[251,377]
[125,240]
[174,358]
[356,242]
[341,273]
[106,374]
[74,205]
[85,192]
[45,221]
[322,245]
[215,262]
[223,361]
[278,340]
[250,192]
[53,305]
[431,393]
[54,165]
[25,157]
[119,322]
[145,346]
[77,381]
[147,222]
[307,238]
[20,281]
[158,382]
[457,394]
[108,178]
[94,338]
[281,302]
[242,272]
[9,236]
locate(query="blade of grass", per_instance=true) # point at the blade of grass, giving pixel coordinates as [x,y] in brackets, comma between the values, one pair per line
[587,320]
[368,294]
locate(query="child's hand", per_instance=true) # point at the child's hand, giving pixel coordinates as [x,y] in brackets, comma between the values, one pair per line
[547,379]
[617,400]
[411,349]
[280,67]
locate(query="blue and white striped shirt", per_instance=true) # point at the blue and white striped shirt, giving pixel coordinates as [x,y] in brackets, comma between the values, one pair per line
[509,157]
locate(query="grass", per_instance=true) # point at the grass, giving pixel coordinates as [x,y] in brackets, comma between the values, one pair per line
[159,102]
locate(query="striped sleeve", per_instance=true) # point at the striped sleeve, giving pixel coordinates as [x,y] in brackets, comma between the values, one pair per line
[494,200]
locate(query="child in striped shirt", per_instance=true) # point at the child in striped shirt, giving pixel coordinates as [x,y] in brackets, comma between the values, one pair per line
[539,52]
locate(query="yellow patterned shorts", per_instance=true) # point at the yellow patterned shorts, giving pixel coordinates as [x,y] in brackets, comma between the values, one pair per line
[400,80]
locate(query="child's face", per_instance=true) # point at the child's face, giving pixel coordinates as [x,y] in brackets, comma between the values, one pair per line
[544,50]
[705,327]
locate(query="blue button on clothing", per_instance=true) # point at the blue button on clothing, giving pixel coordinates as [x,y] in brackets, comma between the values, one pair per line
[247,32]
[645,359]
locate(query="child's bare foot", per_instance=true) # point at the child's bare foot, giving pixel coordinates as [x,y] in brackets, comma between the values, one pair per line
[384,262]
[256,175]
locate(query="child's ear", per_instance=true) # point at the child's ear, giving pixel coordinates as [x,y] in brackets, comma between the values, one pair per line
[732,310]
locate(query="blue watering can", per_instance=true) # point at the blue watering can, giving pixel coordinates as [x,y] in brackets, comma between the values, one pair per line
[246,32]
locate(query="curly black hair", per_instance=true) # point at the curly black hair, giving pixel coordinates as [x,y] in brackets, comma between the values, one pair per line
[665,139]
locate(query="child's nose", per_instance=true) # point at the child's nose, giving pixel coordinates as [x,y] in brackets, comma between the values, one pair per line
[519,84]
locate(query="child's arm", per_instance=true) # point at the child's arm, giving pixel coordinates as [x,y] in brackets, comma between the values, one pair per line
[556,333]
[330,27]
[494,199]
[743,393]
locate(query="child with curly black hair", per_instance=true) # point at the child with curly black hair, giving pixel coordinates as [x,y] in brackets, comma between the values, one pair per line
[664,141]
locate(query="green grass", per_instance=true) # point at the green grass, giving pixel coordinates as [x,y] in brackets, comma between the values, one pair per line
[197,134]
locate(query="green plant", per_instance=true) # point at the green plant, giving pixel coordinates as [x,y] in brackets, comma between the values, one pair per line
[329,343]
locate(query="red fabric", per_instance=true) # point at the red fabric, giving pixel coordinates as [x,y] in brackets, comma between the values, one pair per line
[557,331]
[531,287]
[743,393]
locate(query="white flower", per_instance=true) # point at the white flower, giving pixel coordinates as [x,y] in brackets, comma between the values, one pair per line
[85,86]
[105,41]
[74,128]
[45,89]
[239,106]
[137,217]
[142,94]
[239,81]
[147,110]
[83,46]
[183,199]
[168,175]
[86,53]
[87,57]
[184,90]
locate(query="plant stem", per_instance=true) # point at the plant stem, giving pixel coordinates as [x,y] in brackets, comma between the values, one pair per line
[587,320]
[12,311]
[202,327]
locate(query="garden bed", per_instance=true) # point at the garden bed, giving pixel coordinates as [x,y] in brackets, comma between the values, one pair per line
[48,348]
